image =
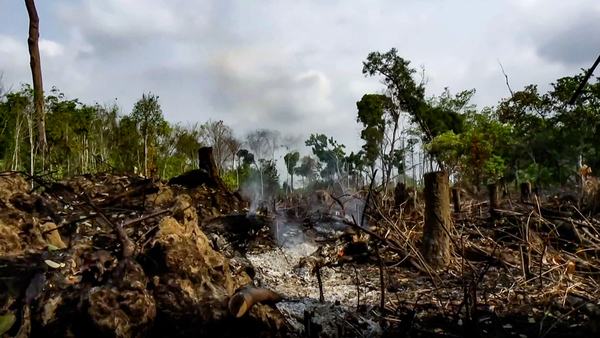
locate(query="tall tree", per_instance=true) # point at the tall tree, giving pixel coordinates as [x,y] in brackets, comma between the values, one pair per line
[220,137]
[36,71]
[307,168]
[263,143]
[371,111]
[291,159]
[329,152]
[408,96]
[147,114]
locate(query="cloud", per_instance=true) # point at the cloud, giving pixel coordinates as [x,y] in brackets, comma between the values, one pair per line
[561,32]
[261,82]
[117,26]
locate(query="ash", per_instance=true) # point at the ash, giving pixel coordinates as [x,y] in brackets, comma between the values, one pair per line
[287,270]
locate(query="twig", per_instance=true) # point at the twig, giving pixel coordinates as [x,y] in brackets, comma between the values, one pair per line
[141,219]
[357,288]
[381,282]
[318,271]
[128,245]
[68,224]
[585,80]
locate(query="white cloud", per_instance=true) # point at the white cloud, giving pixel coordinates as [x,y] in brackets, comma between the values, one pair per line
[50,48]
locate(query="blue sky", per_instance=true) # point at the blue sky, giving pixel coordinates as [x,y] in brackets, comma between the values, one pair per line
[294,66]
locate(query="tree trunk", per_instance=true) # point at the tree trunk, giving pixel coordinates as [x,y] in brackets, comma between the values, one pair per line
[36,71]
[493,194]
[456,199]
[400,195]
[31,146]
[145,155]
[436,240]
[206,162]
[525,191]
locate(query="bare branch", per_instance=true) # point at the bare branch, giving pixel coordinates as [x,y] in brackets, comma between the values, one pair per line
[512,94]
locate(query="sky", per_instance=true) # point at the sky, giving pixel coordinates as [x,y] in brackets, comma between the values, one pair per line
[294,66]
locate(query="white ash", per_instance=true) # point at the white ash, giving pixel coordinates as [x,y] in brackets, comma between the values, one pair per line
[279,270]
[327,315]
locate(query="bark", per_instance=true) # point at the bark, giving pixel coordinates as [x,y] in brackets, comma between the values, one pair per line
[493,194]
[525,191]
[206,162]
[436,240]
[456,200]
[400,195]
[36,71]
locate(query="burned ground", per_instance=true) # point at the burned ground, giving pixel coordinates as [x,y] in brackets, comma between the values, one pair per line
[122,256]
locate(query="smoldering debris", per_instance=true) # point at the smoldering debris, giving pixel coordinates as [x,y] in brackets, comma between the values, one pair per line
[123,256]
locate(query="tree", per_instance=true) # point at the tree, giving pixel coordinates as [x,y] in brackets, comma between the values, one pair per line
[220,137]
[36,72]
[329,153]
[263,143]
[245,159]
[307,168]
[148,117]
[409,97]
[291,159]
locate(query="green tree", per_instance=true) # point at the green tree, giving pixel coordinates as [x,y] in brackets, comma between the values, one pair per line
[147,114]
[291,159]
[371,111]
[330,154]
[408,96]
[307,169]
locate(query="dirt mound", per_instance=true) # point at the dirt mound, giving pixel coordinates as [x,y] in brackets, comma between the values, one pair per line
[67,271]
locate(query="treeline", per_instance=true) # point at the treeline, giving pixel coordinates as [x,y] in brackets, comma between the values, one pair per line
[529,136]
[84,138]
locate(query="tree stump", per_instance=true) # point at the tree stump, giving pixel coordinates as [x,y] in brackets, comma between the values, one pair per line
[207,172]
[206,161]
[400,195]
[456,200]
[525,191]
[493,194]
[436,240]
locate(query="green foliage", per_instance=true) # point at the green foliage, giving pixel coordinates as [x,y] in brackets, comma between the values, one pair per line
[329,153]
[230,179]
[307,168]
[291,159]
[371,110]
[481,152]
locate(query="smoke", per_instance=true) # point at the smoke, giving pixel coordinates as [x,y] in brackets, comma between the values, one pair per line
[290,235]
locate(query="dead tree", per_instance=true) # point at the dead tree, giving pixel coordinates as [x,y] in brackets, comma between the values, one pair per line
[36,72]
[206,161]
[400,195]
[436,234]
[525,191]
[493,194]
[456,200]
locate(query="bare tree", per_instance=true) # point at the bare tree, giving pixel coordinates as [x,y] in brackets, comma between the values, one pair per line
[220,137]
[263,143]
[36,71]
